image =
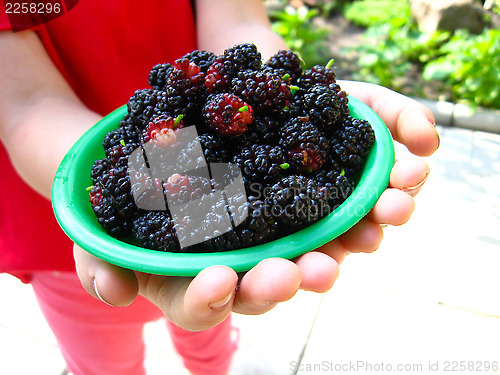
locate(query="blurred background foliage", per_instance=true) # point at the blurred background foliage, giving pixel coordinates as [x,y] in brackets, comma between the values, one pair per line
[393,50]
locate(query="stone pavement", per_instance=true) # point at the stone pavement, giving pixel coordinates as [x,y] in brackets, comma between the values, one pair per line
[426,302]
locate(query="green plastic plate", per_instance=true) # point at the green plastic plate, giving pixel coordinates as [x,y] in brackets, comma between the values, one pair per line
[75,215]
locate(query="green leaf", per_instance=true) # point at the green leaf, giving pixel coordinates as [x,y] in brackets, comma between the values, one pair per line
[439,70]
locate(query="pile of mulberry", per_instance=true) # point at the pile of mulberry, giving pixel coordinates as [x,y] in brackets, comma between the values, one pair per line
[227,151]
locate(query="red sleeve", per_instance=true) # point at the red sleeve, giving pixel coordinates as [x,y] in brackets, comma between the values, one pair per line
[4,19]
[29,15]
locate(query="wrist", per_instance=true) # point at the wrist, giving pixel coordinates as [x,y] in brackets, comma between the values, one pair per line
[38,140]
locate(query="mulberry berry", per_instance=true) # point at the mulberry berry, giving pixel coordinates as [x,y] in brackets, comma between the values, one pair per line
[261,163]
[110,218]
[181,189]
[159,74]
[263,90]
[122,136]
[318,74]
[335,186]
[156,230]
[214,149]
[201,58]
[286,62]
[306,146]
[227,114]
[115,184]
[326,106]
[225,67]
[143,105]
[160,129]
[352,145]
[258,227]
[296,201]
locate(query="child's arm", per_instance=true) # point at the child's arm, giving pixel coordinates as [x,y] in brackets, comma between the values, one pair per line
[40,116]
[223,23]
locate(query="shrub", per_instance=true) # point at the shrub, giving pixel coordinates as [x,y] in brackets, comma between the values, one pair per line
[471,65]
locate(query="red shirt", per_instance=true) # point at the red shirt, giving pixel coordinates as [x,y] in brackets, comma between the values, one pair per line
[105,50]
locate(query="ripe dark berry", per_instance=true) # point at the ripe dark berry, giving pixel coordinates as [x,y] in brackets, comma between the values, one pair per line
[156,230]
[143,105]
[257,227]
[116,185]
[352,144]
[110,218]
[98,169]
[286,62]
[326,107]
[261,163]
[318,74]
[225,67]
[118,154]
[305,145]
[181,189]
[201,58]
[296,201]
[123,136]
[335,186]
[214,149]
[244,56]
[264,130]
[159,74]
[227,114]
[265,91]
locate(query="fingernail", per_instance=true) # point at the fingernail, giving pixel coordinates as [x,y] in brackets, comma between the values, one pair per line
[433,126]
[96,291]
[413,190]
[222,302]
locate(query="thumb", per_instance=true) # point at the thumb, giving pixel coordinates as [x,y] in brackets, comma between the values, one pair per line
[111,284]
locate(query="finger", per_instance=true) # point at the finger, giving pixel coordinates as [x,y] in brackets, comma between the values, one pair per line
[334,249]
[365,237]
[111,284]
[394,207]
[409,122]
[192,304]
[271,281]
[319,271]
[409,175]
